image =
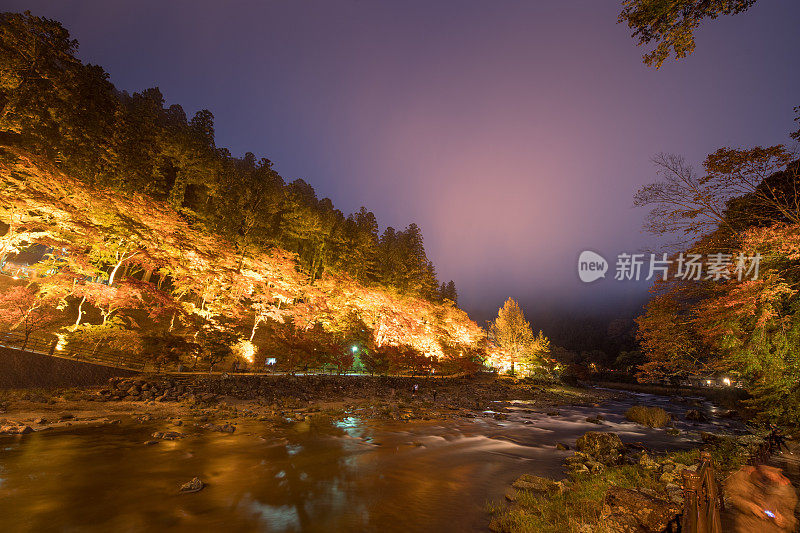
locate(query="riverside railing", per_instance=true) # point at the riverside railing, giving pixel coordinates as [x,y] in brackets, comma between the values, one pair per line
[74,350]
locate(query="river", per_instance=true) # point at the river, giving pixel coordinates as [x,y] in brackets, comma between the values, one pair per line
[320,476]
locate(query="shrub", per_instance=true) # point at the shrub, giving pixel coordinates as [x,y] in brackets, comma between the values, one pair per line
[654,417]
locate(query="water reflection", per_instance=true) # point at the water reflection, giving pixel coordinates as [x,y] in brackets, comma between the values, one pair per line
[318,475]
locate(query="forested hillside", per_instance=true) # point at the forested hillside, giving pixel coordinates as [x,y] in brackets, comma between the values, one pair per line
[146,235]
[69,113]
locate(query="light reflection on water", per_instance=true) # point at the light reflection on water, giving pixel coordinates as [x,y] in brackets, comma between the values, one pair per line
[322,475]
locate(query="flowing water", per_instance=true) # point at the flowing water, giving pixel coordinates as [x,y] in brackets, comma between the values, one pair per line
[327,476]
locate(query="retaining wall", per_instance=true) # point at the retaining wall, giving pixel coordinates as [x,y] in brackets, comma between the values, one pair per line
[21,370]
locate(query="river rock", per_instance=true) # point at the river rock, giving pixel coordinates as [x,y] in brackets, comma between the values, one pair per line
[606,448]
[195,485]
[533,483]
[15,430]
[561,446]
[579,468]
[595,467]
[168,435]
[695,416]
[224,428]
[675,493]
[647,462]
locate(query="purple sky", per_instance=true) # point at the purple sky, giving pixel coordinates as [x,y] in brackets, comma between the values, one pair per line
[514,133]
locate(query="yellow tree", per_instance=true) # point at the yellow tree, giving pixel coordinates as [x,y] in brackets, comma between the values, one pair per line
[511,333]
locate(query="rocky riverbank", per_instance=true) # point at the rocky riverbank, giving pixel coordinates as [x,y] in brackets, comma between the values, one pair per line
[279,399]
[613,487]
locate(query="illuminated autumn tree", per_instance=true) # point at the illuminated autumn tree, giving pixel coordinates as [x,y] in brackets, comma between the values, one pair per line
[460,360]
[25,311]
[112,336]
[511,333]
[668,335]
[166,348]
[216,344]
[375,361]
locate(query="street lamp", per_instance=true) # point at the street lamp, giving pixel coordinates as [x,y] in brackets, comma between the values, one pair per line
[354,348]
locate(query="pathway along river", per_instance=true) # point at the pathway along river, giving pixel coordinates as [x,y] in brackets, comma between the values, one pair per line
[320,476]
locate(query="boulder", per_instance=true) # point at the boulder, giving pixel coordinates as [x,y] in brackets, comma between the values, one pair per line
[605,448]
[195,485]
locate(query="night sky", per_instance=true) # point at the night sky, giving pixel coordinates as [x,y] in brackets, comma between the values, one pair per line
[514,133]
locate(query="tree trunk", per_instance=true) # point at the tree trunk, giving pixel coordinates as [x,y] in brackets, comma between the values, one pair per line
[114,272]
[255,326]
[80,312]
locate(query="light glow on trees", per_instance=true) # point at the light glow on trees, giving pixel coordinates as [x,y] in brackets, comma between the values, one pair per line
[182,277]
